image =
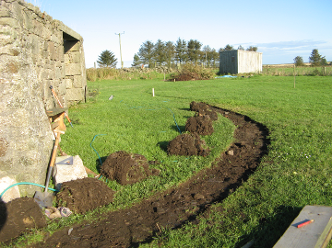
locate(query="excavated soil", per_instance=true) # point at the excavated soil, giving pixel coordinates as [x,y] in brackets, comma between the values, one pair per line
[187,144]
[84,194]
[179,205]
[126,168]
[18,215]
[201,125]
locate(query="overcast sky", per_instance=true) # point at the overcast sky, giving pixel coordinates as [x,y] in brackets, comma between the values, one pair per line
[280,29]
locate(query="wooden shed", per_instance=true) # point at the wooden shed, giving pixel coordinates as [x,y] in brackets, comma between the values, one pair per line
[240,61]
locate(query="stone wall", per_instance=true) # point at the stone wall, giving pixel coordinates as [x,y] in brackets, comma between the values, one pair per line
[35,53]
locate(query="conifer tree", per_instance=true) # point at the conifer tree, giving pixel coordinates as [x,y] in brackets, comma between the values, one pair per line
[136,61]
[316,59]
[181,51]
[146,53]
[107,59]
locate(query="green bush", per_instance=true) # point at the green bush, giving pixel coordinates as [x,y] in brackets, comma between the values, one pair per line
[193,72]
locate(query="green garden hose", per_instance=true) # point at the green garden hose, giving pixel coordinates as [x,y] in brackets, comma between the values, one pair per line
[26,183]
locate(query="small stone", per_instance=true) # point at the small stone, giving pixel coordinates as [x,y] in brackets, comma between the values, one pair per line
[198,196]
[70,230]
[230,152]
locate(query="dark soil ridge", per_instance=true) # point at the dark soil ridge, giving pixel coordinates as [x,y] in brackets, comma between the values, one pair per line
[177,206]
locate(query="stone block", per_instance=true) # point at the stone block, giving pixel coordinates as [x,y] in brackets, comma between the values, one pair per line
[54,38]
[61,92]
[48,74]
[78,81]
[11,193]
[45,45]
[8,21]
[17,12]
[5,12]
[64,172]
[27,21]
[37,28]
[76,57]
[76,47]
[75,94]
[57,72]
[63,72]
[72,69]
[62,56]
[69,83]
[66,58]
[51,50]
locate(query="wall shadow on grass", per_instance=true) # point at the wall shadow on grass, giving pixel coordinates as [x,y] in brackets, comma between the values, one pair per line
[270,229]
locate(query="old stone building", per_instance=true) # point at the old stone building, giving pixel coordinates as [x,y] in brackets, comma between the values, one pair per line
[36,52]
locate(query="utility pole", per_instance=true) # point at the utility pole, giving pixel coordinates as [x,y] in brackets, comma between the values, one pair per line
[120,47]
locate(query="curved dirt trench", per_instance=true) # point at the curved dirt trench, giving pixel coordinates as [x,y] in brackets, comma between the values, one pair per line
[176,206]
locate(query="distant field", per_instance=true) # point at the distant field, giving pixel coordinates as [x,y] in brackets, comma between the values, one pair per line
[289,70]
[283,65]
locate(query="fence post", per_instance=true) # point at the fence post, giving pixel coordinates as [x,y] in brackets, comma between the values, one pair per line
[294,74]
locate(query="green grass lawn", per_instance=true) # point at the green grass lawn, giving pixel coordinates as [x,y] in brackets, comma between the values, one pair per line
[297,170]
[136,122]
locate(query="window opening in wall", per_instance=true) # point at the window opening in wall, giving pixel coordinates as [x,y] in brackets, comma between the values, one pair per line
[68,42]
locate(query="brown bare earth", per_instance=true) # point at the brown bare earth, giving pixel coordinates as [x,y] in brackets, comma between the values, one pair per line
[19,215]
[177,206]
[84,194]
[187,144]
[126,168]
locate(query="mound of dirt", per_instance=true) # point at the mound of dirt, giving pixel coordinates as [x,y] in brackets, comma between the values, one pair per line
[212,114]
[126,168]
[18,215]
[85,194]
[201,125]
[199,106]
[203,109]
[187,144]
[187,76]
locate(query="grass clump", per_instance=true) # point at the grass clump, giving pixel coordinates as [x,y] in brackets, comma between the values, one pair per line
[133,73]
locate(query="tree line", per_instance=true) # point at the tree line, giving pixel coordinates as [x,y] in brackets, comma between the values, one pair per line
[181,52]
[315,59]
[170,54]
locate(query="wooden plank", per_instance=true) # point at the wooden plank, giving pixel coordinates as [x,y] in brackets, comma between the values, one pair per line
[54,125]
[316,234]
[325,237]
[55,111]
